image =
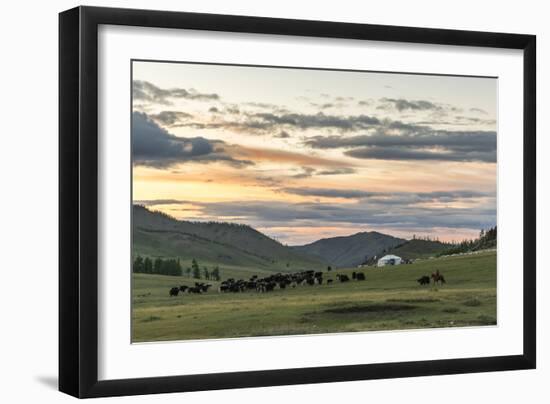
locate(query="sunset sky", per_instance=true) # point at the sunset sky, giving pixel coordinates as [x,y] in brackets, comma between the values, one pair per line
[307,154]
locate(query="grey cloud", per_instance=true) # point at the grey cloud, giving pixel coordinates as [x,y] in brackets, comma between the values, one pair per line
[283,135]
[263,105]
[329,193]
[458,120]
[456,194]
[265,214]
[146,91]
[268,122]
[390,197]
[344,98]
[466,120]
[324,106]
[337,171]
[306,173]
[155,147]
[268,181]
[399,153]
[233,109]
[170,118]
[425,144]
[402,127]
[416,105]
[239,126]
[320,120]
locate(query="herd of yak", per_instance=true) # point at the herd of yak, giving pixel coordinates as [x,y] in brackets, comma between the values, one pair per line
[282,281]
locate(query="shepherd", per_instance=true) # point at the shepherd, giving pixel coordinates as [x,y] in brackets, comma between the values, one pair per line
[437,277]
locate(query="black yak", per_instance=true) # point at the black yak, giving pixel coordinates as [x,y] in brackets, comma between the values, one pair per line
[424,280]
[342,278]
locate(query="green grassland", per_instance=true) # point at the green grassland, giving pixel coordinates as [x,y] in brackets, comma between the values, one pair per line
[389,299]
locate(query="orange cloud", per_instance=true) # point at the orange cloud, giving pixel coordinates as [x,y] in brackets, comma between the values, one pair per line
[281,156]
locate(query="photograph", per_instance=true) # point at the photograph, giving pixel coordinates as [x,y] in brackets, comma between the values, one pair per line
[288,200]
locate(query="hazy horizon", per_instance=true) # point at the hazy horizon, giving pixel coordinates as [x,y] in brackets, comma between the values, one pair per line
[358,231]
[302,154]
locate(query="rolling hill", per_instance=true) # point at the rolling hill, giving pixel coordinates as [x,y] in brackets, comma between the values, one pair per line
[350,251]
[416,248]
[158,235]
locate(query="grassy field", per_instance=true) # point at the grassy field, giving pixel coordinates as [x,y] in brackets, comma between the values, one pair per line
[389,299]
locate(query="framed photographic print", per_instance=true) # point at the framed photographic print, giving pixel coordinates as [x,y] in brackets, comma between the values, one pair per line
[251,201]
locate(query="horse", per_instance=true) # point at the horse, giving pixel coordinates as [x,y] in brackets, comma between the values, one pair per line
[437,277]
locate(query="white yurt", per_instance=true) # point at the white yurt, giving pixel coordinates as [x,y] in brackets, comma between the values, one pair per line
[389,260]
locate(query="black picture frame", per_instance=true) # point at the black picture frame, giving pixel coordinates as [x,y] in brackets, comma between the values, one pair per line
[78,201]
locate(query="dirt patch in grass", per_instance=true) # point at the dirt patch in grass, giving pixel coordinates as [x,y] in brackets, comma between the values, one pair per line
[151,318]
[474,302]
[414,300]
[371,308]
[451,310]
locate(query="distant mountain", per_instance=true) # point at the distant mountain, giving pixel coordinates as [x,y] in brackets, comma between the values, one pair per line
[350,251]
[159,235]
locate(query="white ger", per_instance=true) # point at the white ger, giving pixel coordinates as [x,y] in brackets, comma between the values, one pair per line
[389,260]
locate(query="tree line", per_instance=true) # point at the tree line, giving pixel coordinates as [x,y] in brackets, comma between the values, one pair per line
[197,272]
[158,266]
[487,239]
[173,267]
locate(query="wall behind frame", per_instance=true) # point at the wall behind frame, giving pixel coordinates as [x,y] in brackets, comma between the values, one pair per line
[28,207]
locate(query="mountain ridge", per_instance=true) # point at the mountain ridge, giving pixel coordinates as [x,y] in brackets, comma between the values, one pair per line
[413,249]
[352,250]
[158,234]
[222,243]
